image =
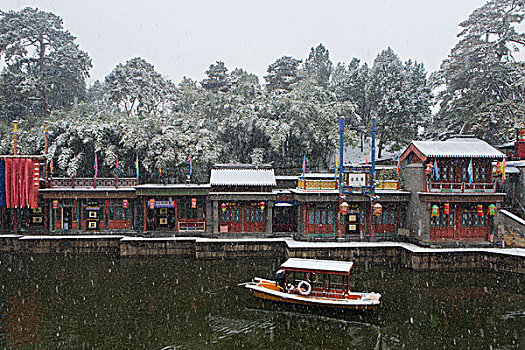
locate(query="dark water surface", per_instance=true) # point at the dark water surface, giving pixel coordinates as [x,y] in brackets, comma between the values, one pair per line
[100,302]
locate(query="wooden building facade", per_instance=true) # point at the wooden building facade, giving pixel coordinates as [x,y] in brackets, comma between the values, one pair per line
[453,189]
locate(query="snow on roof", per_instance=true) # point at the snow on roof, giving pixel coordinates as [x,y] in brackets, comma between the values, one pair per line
[318,265]
[458,147]
[242,177]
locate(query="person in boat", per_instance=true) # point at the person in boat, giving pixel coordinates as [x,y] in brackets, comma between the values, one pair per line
[280,279]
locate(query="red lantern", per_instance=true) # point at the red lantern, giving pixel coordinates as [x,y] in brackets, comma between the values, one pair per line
[55,204]
[446,209]
[480,210]
[378,209]
[152,203]
[223,207]
[194,203]
[125,203]
[344,207]
[75,207]
[262,205]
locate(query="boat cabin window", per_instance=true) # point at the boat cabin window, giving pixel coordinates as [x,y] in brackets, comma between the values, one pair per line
[321,282]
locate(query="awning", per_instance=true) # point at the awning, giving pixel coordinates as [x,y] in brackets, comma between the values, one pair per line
[284,204]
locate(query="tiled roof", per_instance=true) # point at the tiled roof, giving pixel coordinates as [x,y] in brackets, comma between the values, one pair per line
[242,177]
[458,147]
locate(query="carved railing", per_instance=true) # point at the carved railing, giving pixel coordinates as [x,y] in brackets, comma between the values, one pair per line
[92,182]
[461,187]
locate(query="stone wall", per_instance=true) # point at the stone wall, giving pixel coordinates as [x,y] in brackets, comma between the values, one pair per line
[417,219]
[176,247]
[385,254]
[72,245]
[511,229]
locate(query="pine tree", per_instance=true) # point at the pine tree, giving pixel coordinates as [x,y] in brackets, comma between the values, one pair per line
[218,78]
[283,74]
[482,84]
[318,66]
[42,62]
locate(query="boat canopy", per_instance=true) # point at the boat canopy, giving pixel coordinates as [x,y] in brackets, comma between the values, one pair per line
[327,266]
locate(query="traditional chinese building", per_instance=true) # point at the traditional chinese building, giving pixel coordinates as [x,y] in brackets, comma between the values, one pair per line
[241,197]
[454,195]
[91,204]
[180,208]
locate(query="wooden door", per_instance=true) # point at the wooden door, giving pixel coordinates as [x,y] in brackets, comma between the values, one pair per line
[254,219]
[471,226]
[231,219]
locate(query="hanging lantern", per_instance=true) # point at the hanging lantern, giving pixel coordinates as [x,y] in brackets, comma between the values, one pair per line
[223,207]
[498,167]
[152,203]
[479,210]
[429,169]
[262,204]
[378,209]
[492,210]
[194,203]
[36,174]
[435,210]
[55,204]
[344,207]
[125,204]
[446,208]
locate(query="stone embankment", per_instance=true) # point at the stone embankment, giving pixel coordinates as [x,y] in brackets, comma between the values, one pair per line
[381,253]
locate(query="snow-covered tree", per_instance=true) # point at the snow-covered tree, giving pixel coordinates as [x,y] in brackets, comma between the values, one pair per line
[137,89]
[218,78]
[482,83]
[43,65]
[318,66]
[400,98]
[283,74]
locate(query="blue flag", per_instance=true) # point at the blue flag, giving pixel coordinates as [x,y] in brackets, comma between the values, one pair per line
[304,166]
[436,170]
[470,173]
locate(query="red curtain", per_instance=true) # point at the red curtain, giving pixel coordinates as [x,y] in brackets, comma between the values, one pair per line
[20,188]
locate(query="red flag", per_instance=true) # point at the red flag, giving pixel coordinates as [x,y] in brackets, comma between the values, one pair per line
[14,195]
[8,166]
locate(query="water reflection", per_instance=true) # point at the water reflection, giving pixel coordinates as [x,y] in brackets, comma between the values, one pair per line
[158,303]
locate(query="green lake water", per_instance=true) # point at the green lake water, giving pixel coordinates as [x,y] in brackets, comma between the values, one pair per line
[101,302]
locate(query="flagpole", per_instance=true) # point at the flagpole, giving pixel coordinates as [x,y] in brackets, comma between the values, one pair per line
[341,166]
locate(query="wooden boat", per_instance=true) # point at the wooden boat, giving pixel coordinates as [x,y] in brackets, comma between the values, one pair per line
[323,283]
